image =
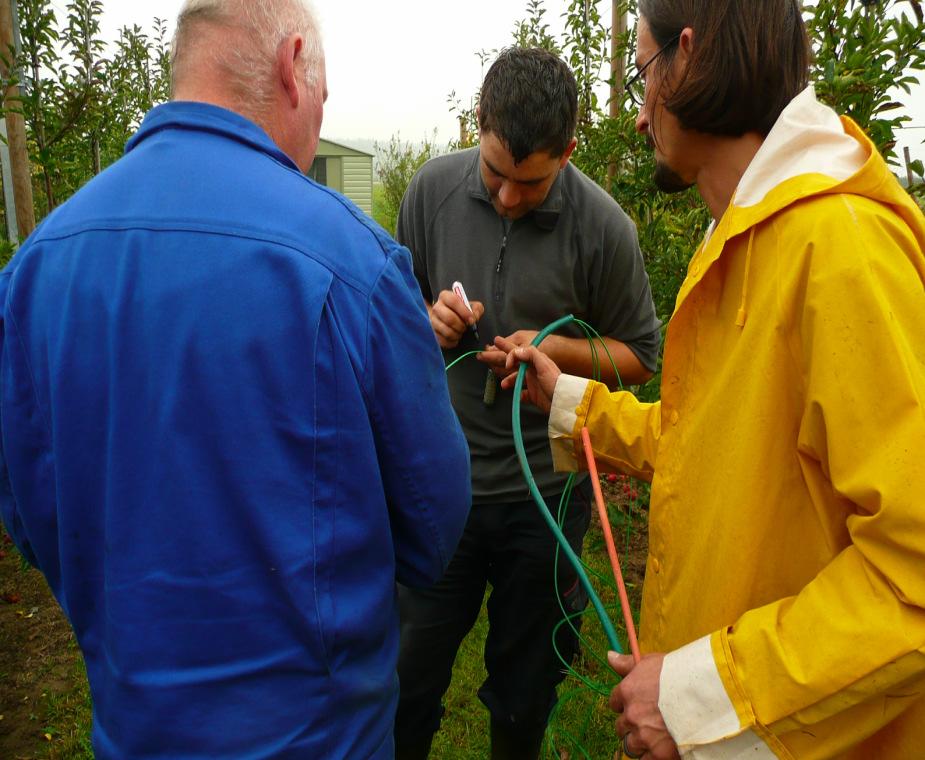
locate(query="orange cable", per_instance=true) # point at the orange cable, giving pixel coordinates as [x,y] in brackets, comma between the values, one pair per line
[611,549]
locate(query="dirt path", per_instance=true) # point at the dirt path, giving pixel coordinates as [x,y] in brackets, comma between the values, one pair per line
[40,669]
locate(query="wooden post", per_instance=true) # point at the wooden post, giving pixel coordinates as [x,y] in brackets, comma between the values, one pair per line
[16,130]
[617,68]
[908,158]
[617,72]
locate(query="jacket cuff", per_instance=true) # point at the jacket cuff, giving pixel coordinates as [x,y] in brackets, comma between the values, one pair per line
[697,710]
[563,421]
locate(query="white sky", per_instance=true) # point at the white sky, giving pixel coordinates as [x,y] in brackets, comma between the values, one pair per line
[391,66]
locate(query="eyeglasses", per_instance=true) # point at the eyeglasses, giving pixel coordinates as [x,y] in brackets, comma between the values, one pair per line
[635,86]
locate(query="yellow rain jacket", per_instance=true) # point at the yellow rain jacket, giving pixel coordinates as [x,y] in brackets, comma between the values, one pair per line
[786,568]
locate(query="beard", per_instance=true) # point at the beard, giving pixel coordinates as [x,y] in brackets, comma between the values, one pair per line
[668,180]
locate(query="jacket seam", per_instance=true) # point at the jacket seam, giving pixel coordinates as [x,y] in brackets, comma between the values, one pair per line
[374,412]
[242,234]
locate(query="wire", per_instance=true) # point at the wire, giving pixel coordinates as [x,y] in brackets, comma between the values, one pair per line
[572,619]
[458,359]
[540,502]
[611,549]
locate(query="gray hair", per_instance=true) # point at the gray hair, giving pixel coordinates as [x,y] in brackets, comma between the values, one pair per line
[248,69]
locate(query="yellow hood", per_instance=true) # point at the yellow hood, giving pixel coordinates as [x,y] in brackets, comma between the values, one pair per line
[811,151]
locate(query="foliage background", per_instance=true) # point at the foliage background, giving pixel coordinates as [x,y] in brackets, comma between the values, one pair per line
[80,98]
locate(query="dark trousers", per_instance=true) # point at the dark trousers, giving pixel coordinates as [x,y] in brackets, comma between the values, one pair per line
[510,547]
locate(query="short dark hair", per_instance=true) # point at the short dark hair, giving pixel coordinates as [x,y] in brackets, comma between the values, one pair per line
[750,59]
[529,100]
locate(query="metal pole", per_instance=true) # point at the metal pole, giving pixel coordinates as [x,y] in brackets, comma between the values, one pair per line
[12,229]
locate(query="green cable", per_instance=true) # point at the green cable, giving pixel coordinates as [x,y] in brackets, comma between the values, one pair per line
[538,498]
[458,359]
[589,331]
[556,526]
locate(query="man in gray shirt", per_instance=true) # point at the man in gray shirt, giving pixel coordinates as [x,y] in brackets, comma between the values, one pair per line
[532,239]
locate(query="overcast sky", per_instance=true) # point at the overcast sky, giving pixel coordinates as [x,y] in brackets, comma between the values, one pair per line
[391,66]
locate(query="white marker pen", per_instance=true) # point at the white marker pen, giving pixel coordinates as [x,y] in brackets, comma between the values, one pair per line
[461,292]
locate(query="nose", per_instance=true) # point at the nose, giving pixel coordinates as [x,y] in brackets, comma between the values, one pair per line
[642,120]
[508,195]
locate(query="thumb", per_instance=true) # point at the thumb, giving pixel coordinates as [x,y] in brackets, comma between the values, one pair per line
[520,354]
[621,663]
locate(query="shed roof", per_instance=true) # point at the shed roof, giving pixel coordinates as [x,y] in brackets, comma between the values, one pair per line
[331,148]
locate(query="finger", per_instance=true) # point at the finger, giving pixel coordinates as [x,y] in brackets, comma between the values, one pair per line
[478,309]
[505,344]
[447,316]
[452,309]
[622,725]
[465,313]
[621,663]
[508,382]
[616,701]
[630,748]
[511,361]
[446,337]
[493,358]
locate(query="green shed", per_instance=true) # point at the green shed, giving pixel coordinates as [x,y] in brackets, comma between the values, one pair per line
[347,170]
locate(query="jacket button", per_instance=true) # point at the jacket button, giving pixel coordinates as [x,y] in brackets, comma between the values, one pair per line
[674,417]
[656,565]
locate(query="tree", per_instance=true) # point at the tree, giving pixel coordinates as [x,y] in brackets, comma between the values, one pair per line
[864,49]
[80,105]
[398,163]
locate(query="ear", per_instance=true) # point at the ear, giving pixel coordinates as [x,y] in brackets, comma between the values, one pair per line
[568,153]
[686,43]
[287,58]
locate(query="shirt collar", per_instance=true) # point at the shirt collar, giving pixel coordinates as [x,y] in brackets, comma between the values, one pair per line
[205,117]
[545,216]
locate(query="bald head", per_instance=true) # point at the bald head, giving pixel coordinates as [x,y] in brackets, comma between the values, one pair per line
[262,59]
[229,48]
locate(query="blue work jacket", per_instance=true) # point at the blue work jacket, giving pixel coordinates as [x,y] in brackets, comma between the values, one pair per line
[226,433]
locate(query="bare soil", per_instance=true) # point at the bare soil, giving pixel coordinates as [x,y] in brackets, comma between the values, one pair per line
[40,666]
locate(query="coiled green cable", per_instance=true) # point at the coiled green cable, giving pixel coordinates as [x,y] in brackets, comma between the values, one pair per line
[607,625]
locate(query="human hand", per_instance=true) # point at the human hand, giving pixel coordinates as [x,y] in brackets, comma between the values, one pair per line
[450,318]
[541,376]
[640,725]
[495,356]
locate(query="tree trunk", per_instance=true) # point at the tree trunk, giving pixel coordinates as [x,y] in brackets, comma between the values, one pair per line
[16,134]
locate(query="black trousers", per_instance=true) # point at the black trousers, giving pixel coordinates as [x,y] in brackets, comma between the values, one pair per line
[510,547]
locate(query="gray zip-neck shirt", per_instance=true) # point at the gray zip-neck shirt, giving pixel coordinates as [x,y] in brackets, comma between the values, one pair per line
[577,253]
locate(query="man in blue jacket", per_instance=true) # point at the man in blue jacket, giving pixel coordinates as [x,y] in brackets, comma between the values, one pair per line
[226,429]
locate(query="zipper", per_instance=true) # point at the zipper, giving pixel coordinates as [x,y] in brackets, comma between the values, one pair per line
[498,289]
[501,255]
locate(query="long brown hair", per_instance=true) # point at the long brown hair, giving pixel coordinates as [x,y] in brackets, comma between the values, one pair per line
[750,59]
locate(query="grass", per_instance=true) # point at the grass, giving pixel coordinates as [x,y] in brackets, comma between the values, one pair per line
[67,717]
[582,726]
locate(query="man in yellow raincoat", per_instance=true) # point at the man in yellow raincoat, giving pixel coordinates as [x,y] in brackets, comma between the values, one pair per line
[784,601]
